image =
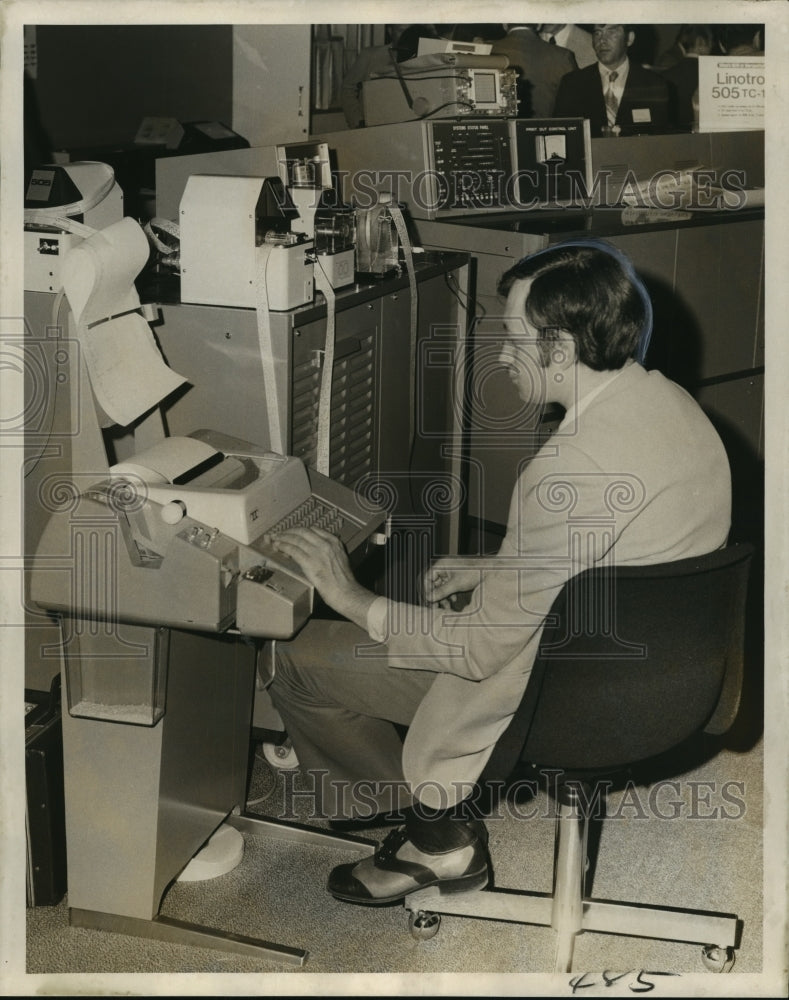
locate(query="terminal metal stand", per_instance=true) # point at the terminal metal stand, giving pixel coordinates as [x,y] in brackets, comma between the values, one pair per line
[162,928]
[141,800]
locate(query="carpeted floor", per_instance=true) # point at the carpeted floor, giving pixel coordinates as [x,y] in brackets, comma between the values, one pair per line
[706,853]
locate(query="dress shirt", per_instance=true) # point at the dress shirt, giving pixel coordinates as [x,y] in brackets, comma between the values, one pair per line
[619,83]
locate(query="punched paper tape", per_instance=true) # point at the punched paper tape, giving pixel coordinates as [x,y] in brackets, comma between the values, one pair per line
[402,232]
[276,436]
[323,284]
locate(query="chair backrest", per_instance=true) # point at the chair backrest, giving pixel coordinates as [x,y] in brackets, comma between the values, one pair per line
[633,661]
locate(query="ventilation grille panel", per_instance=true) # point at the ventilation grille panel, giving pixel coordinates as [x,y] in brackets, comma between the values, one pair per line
[352,409]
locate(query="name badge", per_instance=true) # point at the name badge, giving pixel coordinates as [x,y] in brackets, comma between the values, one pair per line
[642,115]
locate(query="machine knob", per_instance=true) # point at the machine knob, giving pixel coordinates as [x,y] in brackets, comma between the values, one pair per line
[173,512]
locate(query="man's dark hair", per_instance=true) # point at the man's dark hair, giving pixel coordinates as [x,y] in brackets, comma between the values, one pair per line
[627,28]
[690,34]
[734,35]
[589,292]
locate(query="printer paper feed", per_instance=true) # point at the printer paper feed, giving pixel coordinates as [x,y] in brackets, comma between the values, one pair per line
[98,275]
[127,372]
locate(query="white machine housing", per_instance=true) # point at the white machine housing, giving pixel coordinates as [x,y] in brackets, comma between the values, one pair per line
[220,259]
[240,494]
[188,528]
[45,243]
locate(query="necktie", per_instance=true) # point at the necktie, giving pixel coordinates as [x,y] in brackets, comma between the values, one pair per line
[552,40]
[611,103]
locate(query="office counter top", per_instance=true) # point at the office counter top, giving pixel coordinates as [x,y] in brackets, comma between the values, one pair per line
[164,289]
[600,222]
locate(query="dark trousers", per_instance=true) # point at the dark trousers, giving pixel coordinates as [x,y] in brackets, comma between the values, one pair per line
[339,705]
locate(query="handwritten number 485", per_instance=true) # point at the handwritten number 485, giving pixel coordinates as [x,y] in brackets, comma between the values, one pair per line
[639,985]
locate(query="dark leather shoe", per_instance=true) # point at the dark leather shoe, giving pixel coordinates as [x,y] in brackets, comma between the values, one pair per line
[398,868]
[368,823]
[395,819]
[477,826]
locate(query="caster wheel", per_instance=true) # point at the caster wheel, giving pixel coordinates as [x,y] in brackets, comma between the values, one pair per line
[281,756]
[717,959]
[424,926]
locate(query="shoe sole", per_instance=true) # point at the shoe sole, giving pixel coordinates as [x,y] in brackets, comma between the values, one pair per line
[446,887]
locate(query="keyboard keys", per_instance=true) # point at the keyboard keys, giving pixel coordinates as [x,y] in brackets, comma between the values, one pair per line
[312,513]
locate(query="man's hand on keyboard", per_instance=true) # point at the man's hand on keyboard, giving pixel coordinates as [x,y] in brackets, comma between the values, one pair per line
[322,558]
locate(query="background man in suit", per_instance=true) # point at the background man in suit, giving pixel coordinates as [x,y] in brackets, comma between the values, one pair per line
[541,67]
[618,96]
[693,40]
[575,316]
[572,37]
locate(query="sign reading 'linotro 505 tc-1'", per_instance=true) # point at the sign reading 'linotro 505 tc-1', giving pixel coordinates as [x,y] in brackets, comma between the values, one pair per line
[731,93]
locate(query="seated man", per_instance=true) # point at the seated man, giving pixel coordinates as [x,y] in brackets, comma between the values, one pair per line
[634,474]
[618,96]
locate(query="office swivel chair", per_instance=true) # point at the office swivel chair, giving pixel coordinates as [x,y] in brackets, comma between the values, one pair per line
[634,664]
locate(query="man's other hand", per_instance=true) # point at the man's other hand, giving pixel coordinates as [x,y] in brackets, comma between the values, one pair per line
[447,577]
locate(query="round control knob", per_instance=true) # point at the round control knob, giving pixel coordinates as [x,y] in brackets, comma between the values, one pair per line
[173,512]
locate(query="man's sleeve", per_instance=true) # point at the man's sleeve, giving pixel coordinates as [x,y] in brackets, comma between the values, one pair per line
[377,618]
[565,105]
[519,584]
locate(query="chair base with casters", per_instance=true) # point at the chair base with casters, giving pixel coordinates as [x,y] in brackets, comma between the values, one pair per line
[661,645]
[569,911]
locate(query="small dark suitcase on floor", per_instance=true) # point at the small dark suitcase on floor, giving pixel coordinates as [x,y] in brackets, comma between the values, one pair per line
[45,822]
